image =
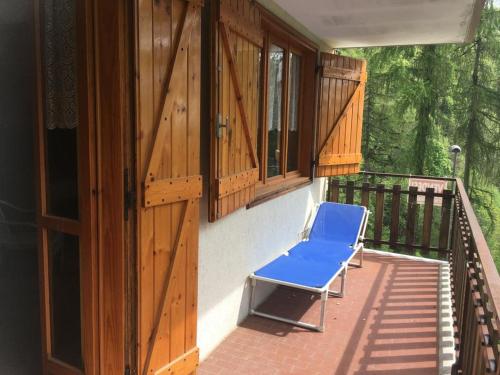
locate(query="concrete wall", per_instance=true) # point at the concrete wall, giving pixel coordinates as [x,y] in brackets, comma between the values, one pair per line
[233,247]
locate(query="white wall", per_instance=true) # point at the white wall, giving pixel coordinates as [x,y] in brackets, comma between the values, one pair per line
[235,246]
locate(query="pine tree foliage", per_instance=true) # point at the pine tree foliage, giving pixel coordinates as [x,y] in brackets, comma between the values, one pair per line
[422,99]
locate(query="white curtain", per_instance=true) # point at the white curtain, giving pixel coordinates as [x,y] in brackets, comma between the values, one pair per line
[60,67]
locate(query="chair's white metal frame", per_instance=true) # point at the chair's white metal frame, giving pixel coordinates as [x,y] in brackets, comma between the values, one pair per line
[324,291]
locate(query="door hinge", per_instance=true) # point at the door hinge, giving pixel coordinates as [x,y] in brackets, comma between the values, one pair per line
[219,125]
[129,194]
[130,371]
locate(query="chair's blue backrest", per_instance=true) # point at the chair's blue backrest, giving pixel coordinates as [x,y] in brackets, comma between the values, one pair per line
[337,222]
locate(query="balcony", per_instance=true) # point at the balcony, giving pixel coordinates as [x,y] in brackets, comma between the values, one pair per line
[426,300]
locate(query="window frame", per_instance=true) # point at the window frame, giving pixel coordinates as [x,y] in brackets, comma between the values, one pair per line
[281,35]
[300,111]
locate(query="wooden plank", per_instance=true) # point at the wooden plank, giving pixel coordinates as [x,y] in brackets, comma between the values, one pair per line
[412,214]
[174,79]
[361,102]
[355,125]
[242,26]
[174,306]
[193,155]
[339,159]
[323,110]
[349,192]
[343,118]
[444,228]
[165,24]
[346,129]
[236,182]
[335,122]
[183,365]
[427,223]
[341,73]
[60,224]
[395,208]
[379,214]
[172,190]
[213,53]
[145,218]
[239,97]
[114,122]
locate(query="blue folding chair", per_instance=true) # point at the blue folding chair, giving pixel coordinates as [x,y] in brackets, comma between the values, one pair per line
[312,265]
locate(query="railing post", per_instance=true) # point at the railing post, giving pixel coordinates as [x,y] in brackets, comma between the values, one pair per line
[411,218]
[365,194]
[427,223]
[395,206]
[349,192]
[379,214]
[334,190]
[444,229]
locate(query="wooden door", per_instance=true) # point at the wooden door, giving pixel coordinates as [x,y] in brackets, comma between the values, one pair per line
[66,211]
[341,102]
[169,185]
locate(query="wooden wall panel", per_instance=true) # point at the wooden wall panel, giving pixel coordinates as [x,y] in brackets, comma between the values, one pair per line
[237,42]
[341,101]
[168,143]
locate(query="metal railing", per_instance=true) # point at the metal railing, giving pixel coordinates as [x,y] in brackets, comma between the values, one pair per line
[448,231]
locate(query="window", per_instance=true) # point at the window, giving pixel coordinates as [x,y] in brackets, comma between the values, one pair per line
[285,132]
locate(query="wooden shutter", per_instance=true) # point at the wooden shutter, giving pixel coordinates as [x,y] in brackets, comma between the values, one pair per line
[341,100]
[235,105]
[169,184]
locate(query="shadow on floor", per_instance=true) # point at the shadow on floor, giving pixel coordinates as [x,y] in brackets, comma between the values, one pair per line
[386,324]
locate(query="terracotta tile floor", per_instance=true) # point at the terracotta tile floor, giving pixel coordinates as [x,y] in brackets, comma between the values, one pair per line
[386,324]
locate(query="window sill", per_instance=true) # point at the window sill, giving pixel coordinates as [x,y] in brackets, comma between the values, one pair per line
[265,193]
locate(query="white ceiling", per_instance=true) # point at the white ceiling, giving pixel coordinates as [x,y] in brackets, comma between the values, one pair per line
[365,23]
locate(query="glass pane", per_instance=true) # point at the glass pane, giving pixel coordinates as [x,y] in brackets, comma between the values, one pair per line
[293,113]
[64,263]
[60,106]
[19,309]
[275,103]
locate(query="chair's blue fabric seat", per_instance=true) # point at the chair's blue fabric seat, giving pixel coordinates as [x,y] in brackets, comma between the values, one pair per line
[322,251]
[294,270]
[309,263]
[337,222]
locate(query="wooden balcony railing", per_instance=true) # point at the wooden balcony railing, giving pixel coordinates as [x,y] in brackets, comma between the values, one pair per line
[398,222]
[451,232]
[475,286]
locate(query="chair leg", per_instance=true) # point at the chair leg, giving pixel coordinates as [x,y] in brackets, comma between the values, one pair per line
[253,282]
[324,299]
[342,282]
[340,293]
[298,323]
[360,264]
